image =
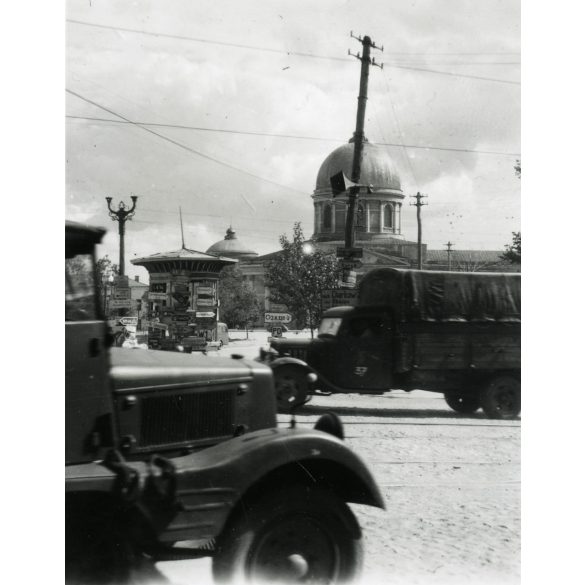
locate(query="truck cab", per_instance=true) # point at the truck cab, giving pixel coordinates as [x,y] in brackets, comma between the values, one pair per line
[163,448]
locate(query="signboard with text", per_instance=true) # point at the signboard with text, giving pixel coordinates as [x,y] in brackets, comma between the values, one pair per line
[338,297]
[277,317]
[120,304]
[157,296]
[205,302]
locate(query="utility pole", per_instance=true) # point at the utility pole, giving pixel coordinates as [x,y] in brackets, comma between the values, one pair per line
[418,205]
[339,183]
[359,136]
[121,215]
[449,244]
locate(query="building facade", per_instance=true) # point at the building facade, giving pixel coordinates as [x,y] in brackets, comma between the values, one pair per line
[378,226]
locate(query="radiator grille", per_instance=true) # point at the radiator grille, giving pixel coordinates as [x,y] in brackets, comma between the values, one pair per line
[186,417]
[298,353]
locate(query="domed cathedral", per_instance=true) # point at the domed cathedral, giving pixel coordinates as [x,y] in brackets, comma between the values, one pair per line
[248,262]
[378,219]
[231,247]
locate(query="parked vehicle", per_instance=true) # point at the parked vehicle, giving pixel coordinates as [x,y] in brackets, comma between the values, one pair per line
[163,447]
[451,332]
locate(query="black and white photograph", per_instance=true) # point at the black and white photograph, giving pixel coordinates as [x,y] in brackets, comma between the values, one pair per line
[292,292]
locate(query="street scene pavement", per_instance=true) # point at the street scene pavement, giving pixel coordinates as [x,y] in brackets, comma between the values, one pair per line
[451,483]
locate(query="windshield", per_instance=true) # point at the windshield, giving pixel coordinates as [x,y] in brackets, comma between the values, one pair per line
[80,301]
[329,326]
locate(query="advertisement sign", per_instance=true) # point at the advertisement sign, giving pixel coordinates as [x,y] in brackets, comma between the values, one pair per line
[120,304]
[121,281]
[338,297]
[121,293]
[204,290]
[133,321]
[202,314]
[277,317]
[205,302]
[158,287]
[155,296]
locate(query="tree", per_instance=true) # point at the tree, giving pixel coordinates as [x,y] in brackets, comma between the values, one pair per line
[471,265]
[298,275]
[237,300]
[513,250]
[105,269]
[518,169]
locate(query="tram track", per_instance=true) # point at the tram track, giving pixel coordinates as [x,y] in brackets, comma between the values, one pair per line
[347,423]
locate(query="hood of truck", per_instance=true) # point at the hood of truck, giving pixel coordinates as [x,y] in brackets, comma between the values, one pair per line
[286,343]
[134,369]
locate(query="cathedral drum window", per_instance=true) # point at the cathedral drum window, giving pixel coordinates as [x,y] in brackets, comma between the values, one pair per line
[327,217]
[388,216]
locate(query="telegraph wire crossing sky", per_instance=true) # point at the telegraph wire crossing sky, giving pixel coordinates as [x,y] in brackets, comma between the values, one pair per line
[228,111]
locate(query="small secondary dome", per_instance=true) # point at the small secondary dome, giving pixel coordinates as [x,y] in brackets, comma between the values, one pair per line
[377,169]
[231,247]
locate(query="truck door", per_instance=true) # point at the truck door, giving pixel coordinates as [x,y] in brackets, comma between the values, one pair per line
[88,402]
[365,353]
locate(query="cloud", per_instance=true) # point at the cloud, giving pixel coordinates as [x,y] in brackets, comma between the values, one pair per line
[173,81]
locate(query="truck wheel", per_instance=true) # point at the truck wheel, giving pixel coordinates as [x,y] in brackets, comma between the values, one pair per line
[299,534]
[291,387]
[462,402]
[500,398]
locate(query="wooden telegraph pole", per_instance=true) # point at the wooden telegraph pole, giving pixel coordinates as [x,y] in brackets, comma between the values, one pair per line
[121,215]
[338,183]
[418,205]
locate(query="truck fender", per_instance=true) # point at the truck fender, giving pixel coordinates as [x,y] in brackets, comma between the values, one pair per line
[287,360]
[312,375]
[211,482]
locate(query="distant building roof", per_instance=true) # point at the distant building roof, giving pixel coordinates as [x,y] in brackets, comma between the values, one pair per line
[231,247]
[183,259]
[491,256]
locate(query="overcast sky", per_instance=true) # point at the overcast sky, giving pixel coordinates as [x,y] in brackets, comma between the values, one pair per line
[451,80]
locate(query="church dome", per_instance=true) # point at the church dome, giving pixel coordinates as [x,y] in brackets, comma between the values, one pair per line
[231,247]
[378,168]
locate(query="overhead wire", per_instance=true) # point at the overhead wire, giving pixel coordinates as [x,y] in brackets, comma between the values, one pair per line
[289,136]
[280,51]
[183,146]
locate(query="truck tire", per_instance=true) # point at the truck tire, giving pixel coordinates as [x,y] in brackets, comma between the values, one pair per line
[291,386]
[500,398]
[296,534]
[463,402]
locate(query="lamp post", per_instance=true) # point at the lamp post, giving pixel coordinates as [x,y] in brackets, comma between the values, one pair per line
[120,215]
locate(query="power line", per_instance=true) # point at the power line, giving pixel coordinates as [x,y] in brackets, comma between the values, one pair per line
[218,216]
[295,137]
[455,74]
[205,41]
[278,51]
[183,146]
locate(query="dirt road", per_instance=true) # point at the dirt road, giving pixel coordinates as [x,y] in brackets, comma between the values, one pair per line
[451,483]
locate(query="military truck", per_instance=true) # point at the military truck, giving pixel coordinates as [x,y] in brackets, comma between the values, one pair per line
[164,448]
[457,333]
